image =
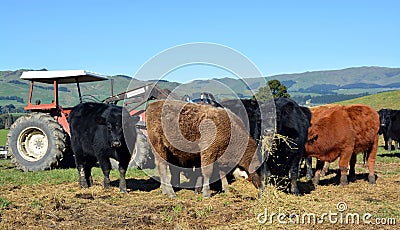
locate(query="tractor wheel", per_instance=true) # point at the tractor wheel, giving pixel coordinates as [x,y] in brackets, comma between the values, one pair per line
[36,142]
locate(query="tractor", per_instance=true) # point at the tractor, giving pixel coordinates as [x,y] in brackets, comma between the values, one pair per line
[40,139]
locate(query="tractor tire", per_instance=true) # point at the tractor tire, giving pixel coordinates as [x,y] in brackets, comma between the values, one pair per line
[142,147]
[36,142]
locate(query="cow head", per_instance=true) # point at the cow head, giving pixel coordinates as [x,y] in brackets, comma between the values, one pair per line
[114,130]
[284,110]
[385,117]
[115,126]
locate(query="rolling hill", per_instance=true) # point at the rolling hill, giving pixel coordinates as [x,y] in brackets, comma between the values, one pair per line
[331,85]
[388,100]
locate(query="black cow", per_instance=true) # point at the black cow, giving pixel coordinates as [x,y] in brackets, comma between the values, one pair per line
[98,133]
[385,121]
[393,131]
[293,122]
[249,112]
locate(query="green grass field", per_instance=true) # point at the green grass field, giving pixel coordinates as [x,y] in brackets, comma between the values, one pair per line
[3,137]
[377,101]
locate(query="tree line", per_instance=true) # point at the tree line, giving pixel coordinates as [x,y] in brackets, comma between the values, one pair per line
[12,98]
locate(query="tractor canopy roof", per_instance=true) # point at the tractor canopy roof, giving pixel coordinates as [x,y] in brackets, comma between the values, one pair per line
[62,76]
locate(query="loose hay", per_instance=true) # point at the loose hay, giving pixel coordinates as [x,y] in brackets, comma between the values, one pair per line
[269,143]
[67,206]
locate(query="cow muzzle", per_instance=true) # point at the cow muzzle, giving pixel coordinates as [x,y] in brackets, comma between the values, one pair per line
[115,144]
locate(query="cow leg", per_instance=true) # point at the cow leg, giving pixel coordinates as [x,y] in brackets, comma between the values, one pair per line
[199,180]
[105,166]
[389,144]
[294,175]
[90,162]
[309,174]
[343,168]
[224,181]
[265,174]
[371,161]
[396,145]
[122,180]
[175,177]
[385,138]
[122,167]
[325,169]
[318,169]
[352,171]
[82,176]
[81,167]
[166,186]
[207,172]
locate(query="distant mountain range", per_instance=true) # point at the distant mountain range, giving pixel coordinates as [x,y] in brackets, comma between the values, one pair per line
[330,85]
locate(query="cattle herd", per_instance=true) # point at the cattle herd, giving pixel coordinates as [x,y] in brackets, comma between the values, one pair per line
[199,139]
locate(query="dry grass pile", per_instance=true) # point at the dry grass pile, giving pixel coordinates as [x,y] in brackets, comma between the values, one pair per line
[67,206]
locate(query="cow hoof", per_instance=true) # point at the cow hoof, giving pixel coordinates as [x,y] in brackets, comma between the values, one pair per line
[123,191]
[206,194]
[316,181]
[84,186]
[295,191]
[171,196]
[197,190]
[169,191]
[343,180]
[371,179]
[83,183]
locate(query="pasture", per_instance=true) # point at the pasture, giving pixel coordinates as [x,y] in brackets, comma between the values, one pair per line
[54,200]
[3,137]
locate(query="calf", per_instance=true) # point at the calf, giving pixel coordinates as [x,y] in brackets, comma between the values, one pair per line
[342,132]
[194,135]
[98,133]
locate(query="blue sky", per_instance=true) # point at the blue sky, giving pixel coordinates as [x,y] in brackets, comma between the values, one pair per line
[118,37]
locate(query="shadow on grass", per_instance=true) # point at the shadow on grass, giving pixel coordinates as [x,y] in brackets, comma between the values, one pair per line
[335,180]
[389,155]
[145,185]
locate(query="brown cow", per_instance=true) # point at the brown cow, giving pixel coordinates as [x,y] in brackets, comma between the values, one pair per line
[316,111]
[193,135]
[342,132]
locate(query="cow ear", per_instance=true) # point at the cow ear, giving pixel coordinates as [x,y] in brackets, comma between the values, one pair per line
[100,120]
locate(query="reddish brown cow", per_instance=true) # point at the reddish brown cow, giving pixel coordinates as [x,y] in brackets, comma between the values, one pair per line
[342,132]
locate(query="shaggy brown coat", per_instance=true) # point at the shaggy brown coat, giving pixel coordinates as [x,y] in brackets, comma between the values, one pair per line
[342,132]
[187,134]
